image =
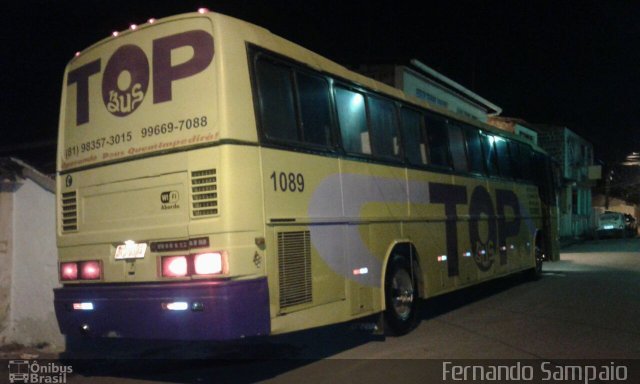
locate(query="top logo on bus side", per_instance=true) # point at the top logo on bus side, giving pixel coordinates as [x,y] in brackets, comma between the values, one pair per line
[126,75]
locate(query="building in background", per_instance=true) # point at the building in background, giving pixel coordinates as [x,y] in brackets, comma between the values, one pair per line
[577,175]
[423,82]
[28,256]
[515,126]
[601,204]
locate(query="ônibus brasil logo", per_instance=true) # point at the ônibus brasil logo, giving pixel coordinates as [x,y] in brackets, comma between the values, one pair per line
[128,73]
[31,372]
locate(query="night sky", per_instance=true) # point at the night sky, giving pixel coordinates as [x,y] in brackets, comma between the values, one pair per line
[569,63]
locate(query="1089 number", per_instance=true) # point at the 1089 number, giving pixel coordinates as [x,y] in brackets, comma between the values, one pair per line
[287,182]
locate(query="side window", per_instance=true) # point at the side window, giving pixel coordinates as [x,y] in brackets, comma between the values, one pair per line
[275,89]
[384,128]
[437,138]
[315,109]
[457,146]
[504,159]
[514,151]
[353,121]
[524,161]
[415,148]
[474,150]
[489,151]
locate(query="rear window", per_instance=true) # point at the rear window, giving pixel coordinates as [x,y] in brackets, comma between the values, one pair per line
[293,106]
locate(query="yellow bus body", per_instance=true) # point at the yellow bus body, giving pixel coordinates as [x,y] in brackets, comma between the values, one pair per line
[319,227]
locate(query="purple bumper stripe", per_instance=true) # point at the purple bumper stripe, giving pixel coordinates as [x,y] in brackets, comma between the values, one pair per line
[230,310]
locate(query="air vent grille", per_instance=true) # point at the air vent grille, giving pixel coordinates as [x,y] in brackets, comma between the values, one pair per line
[294,267]
[69,212]
[204,193]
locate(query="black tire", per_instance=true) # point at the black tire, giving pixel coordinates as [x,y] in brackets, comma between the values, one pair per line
[401,297]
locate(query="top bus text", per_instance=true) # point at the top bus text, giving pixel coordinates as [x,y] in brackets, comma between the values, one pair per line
[132,59]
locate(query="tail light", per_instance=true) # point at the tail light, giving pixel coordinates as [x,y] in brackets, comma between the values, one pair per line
[174,266]
[68,271]
[81,270]
[90,270]
[209,263]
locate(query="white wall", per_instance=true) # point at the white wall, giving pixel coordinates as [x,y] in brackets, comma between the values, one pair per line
[6,242]
[34,268]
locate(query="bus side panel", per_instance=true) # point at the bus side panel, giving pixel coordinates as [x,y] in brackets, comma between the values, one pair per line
[376,197]
[426,229]
[305,241]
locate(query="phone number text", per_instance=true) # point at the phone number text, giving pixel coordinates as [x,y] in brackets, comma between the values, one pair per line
[171,127]
[101,142]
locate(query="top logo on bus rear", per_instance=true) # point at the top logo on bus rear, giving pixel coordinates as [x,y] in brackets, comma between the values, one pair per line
[128,73]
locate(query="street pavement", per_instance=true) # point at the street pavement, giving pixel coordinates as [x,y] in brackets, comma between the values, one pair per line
[585,307]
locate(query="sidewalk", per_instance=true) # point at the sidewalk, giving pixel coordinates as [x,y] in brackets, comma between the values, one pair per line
[17,351]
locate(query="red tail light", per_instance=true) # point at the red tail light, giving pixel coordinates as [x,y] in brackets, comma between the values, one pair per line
[174,266]
[90,270]
[81,270]
[208,263]
[68,271]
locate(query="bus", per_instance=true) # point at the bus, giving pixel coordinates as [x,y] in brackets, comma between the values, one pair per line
[216,181]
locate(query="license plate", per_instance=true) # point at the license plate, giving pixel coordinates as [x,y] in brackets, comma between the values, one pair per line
[131,251]
[608,227]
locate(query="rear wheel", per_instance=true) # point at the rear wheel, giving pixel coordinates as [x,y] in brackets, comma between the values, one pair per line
[401,297]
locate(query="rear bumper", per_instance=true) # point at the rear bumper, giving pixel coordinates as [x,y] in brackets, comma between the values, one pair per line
[224,310]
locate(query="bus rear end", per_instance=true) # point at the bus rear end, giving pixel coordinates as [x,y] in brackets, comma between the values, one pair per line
[152,242]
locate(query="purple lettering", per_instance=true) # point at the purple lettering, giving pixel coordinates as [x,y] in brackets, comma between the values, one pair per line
[164,73]
[506,229]
[80,77]
[481,209]
[450,196]
[125,80]
[126,75]
[480,206]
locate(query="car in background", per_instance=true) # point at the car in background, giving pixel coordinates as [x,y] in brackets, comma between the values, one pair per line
[615,224]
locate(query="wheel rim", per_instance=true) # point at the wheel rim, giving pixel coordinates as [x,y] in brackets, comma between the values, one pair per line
[402,294]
